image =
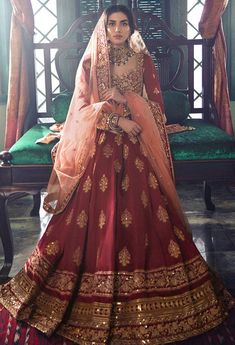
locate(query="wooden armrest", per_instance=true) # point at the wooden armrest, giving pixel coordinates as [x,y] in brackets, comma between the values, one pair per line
[5,157]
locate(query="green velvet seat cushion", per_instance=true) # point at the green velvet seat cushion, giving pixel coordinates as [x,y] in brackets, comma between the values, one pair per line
[205,142]
[25,151]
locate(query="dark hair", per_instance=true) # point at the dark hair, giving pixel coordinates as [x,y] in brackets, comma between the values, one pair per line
[120,8]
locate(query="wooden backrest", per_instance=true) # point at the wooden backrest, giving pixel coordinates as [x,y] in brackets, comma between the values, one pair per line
[175,57]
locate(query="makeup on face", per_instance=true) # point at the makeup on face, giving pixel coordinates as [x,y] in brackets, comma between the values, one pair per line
[118,29]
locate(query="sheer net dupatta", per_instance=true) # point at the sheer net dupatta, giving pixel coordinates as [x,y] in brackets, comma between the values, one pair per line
[77,144]
[154,141]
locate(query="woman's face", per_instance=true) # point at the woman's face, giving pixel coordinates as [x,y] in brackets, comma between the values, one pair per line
[118,29]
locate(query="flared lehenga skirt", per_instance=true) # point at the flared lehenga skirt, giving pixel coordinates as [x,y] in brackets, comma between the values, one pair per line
[117,267]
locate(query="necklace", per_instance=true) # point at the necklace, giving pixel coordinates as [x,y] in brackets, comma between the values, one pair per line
[120,55]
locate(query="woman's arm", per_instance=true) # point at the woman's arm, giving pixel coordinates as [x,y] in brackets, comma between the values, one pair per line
[151,81]
[152,85]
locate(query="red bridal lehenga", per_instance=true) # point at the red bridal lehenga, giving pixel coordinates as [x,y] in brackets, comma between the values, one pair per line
[117,266]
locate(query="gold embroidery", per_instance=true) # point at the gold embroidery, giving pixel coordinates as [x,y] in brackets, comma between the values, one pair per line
[37,264]
[82,219]
[125,183]
[68,219]
[130,81]
[118,139]
[126,218]
[102,219]
[143,150]
[152,181]
[174,249]
[77,256]
[162,214]
[102,283]
[124,257]
[165,311]
[125,151]
[93,151]
[179,233]
[164,278]
[160,122]
[117,166]
[87,184]
[120,56]
[108,151]
[156,91]
[103,183]
[47,305]
[103,79]
[52,248]
[102,138]
[61,282]
[139,164]
[133,139]
[168,312]
[144,199]
[102,124]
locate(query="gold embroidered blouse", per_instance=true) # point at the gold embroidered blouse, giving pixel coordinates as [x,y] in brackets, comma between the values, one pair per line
[131,80]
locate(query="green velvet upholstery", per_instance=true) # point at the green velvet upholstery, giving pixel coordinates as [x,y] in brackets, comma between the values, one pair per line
[25,151]
[205,142]
[177,106]
[60,106]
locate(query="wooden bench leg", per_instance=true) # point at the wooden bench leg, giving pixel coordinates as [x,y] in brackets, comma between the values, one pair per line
[5,227]
[6,238]
[36,205]
[207,197]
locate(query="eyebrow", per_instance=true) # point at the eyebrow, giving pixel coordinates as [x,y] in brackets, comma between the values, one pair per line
[114,21]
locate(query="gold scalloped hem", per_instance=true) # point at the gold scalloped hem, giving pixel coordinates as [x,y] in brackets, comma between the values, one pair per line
[99,336]
[76,338]
[153,321]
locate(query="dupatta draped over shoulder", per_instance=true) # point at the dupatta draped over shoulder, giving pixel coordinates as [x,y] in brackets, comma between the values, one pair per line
[77,143]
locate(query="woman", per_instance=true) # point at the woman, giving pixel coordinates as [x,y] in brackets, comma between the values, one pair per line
[116,264]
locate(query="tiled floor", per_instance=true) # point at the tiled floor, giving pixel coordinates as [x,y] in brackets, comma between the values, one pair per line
[213,232]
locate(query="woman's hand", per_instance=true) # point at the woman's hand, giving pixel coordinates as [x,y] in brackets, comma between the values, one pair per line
[115,95]
[129,126]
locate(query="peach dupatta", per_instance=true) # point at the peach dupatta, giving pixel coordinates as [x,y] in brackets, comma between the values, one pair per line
[77,143]
[154,141]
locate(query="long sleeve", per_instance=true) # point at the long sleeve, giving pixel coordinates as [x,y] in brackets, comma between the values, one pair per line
[152,84]
[151,81]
